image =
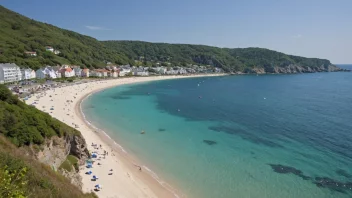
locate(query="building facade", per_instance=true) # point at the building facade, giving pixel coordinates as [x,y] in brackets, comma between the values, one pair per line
[27,74]
[85,73]
[78,71]
[67,72]
[10,72]
[46,72]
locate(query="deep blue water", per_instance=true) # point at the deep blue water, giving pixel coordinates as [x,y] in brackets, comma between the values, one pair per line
[237,136]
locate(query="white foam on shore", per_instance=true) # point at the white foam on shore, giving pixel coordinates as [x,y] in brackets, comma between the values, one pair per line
[150,172]
[96,128]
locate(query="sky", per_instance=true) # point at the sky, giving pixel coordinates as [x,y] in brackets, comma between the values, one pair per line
[309,28]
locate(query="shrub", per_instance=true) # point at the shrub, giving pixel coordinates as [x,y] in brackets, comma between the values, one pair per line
[66,165]
[26,125]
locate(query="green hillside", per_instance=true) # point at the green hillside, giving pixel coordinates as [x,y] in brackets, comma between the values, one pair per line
[19,34]
[21,175]
[238,59]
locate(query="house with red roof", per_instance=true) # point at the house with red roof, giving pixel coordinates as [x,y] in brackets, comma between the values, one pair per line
[31,53]
[67,72]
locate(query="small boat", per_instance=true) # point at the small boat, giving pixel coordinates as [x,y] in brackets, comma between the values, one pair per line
[142,132]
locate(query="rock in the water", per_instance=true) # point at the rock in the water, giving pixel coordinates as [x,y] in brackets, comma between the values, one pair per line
[209,142]
[288,169]
[321,182]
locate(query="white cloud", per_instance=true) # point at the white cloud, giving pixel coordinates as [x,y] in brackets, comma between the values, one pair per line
[96,27]
[297,36]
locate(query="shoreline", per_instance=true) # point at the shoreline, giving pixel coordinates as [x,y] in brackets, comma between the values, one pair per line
[127,158]
[127,180]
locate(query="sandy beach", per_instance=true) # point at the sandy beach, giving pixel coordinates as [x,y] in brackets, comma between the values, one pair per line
[126,179]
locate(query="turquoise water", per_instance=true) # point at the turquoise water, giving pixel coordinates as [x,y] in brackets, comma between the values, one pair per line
[237,136]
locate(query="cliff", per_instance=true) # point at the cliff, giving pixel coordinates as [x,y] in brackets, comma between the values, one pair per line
[30,178]
[55,150]
[38,143]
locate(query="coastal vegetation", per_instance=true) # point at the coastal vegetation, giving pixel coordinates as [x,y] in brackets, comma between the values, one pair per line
[22,176]
[23,127]
[19,34]
[70,163]
[24,124]
[237,59]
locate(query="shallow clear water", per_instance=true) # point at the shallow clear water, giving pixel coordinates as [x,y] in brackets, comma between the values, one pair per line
[237,136]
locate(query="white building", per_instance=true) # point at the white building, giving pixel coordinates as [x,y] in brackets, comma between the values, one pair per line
[49,48]
[57,71]
[161,70]
[67,72]
[78,71]
[141,73]
[27,74]
[47,72]
[112,74]
[10,72]
[172,72]
[95,74]
[85,73]
[124,71]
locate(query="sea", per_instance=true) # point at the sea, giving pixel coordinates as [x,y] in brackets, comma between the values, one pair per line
[237,136]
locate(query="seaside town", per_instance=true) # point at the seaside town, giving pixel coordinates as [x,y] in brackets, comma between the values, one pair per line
[11,74]
[175,99]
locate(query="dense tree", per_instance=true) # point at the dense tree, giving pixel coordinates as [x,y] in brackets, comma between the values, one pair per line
[19,34]
[238,59]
